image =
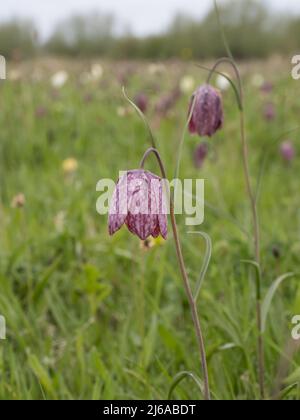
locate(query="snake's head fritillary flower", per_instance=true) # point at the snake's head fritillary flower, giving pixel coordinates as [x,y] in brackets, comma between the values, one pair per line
[141,102]
[287,151]
[139,202]
[207,116]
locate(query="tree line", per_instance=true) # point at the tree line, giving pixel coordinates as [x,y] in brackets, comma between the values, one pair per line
[252,30]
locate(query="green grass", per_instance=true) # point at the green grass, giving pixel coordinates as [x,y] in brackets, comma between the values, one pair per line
[89,316]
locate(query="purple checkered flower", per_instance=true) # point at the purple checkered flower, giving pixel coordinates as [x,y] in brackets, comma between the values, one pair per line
[138,202]
[207,116]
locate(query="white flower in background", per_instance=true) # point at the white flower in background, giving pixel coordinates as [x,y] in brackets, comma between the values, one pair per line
[187,84]
[222,83]
[156,68]
[59,79]
[257,80]
[95,74]
[96,71]
[14,75]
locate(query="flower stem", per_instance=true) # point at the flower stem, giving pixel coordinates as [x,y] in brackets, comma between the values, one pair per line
[187,287]
[260,345]
[253,204]
[193,305]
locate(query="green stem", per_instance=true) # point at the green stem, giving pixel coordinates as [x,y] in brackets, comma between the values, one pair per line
[187,287]
[142,116]
[253,204]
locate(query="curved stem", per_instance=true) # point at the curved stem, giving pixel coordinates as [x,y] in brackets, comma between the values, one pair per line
[187,287]
[180,148]
[237,74]
[253,204]
[142,116]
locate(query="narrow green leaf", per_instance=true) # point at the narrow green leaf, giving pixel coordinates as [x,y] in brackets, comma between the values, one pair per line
[205,263]
[258,276]
[269,297]
[180,377]
[285,392]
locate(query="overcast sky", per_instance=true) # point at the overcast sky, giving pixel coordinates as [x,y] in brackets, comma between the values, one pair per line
[143,16]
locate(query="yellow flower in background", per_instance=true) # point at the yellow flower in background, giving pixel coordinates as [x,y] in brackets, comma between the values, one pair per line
[70,166]
[151,242]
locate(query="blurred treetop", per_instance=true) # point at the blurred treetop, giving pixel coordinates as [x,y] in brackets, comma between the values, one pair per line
[251,29]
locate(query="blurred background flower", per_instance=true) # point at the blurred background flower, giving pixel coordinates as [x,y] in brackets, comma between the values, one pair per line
[287,151]
[59,79]
[69,165]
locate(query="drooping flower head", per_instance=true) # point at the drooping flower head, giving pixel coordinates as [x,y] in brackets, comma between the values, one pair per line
[207,116]
[287,151]
[138,202]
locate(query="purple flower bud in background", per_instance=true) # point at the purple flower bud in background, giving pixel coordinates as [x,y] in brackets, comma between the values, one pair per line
[266,87]
[200,154]
[138,201]
[287,151]
[269,112]
[207,115]
[167,102]
[141,102]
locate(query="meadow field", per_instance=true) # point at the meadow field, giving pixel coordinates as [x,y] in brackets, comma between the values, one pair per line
[89,316]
